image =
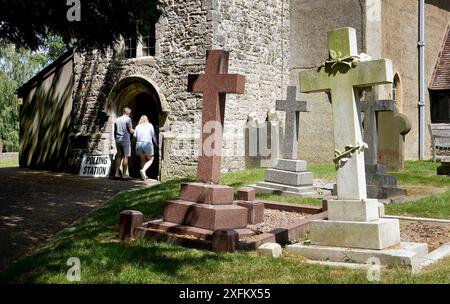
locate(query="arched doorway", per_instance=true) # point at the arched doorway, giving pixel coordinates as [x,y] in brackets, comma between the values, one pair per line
[143,97]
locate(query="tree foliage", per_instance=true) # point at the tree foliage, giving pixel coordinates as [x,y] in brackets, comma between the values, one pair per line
[16,67]
[31,23]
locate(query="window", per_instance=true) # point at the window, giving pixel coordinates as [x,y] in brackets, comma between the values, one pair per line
[440,106]
[149,43]
[130,48]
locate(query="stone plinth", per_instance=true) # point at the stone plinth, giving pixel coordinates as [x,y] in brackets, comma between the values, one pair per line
[207,193]
[255,213]
[288,177]
[380,185]
[357,211]
[211,217]
[444,169]
[379,234]
[408,254]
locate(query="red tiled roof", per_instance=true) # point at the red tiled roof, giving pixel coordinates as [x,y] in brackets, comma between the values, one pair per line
[441,74]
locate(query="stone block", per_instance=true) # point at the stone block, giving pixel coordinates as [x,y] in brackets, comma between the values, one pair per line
[384,192]
[225,241]
[279,187]
[291,165]
[289,178]
[408,254]
[246,194]
[375,169]
[207,193]
[443,170]
[212,217]
[270,250]
[379,234]
[353,210]
[255,213]
[381,180]
[129,220]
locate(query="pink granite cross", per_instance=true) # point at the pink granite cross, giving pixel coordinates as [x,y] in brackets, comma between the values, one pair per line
[214,84]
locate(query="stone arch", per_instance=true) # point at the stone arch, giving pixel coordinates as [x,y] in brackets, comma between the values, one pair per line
[132,86]
[144,97]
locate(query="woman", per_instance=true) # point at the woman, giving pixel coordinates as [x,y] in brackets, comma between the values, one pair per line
[145,145]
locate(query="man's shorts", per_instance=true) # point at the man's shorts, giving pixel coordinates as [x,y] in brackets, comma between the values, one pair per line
[123,149]
[145,148]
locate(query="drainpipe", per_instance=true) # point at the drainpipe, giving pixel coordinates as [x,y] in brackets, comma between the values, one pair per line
[421,104]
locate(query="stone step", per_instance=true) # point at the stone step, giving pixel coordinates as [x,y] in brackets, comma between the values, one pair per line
[384,192]
[200,233]
[207,194]
[381,180]
[211,217]
[291,165]
[289,178]
[405,254]
[280,187]
[263,190]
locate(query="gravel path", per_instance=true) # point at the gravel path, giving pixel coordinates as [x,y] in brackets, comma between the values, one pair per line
[35,205]
[435,234]
[277,219]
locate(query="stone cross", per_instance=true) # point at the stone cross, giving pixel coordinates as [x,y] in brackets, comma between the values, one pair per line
[214,85]
[371,109]
[292,107]
[344,82]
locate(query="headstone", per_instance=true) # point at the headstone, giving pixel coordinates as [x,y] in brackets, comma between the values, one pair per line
[289,175]
[205,204]
[353,220]
[379,184]
[392,129]
[262,140]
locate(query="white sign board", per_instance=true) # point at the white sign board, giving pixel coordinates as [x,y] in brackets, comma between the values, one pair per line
[95,165]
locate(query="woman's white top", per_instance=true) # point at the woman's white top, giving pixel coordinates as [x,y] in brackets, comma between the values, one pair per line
[145,133]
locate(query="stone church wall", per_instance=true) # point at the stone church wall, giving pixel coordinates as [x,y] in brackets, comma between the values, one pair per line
[254,31]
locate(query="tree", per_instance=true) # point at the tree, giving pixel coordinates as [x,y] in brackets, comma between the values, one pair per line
[31,23]
[16,67]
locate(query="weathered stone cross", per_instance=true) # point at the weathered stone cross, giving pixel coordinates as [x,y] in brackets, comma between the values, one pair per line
[371,109]
[214,85]
[344,82]
[292,107]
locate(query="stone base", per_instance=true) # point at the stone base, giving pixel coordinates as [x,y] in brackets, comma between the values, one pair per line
[444,169]
[379,234]
[289,178]
[353,210]
[380,185]
[200,233]
[211,217]
[409,254]
[274,188]
[207,194]
[255,214]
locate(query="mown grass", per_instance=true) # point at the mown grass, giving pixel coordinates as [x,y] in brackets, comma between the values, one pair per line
[10,162]
[105,260]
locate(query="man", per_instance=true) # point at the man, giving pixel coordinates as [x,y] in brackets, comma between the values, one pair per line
[122,132]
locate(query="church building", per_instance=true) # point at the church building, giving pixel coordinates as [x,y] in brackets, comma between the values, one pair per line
[69,108]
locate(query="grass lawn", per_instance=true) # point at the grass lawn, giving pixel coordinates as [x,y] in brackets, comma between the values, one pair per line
[104,260]
[8,163]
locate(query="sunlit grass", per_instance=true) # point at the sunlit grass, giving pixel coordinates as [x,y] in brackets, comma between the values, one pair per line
[105,260]
[10,162]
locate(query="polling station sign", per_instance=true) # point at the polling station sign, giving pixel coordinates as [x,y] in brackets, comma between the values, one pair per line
[95,165]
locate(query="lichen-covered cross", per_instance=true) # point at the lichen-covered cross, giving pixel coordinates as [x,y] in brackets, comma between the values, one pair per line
[344,83]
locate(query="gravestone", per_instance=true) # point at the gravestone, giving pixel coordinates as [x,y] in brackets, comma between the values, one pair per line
[205,204]
[379,184]
[262,140]
[289,175]
[354,221]
[392,129]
